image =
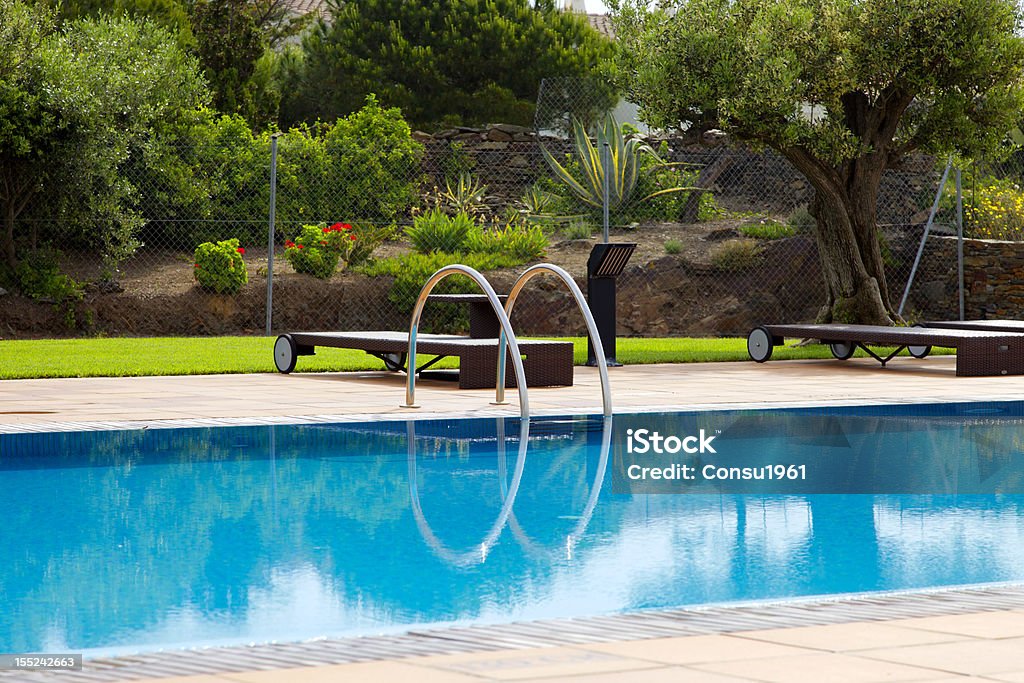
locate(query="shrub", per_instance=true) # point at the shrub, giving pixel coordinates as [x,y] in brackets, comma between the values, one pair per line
[512,237]
[219,267]
[801,220]
[412,270]
[673,246]
[994,210]
[318,249]
[435,231]
[368,238]
[733,255]
[767,230]
[628,159]
[578,230]
[538,202]
[649,188]
[669,206]
[39,277]
[374,154]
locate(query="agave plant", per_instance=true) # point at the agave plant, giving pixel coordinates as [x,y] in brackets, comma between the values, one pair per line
[537,202]
[625,154]
[467,195]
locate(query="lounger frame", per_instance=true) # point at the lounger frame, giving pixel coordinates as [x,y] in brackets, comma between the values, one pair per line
[979,352]
[979,325]
[547,363]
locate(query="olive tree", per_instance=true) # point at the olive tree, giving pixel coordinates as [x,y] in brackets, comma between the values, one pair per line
[76,103]
[843,89]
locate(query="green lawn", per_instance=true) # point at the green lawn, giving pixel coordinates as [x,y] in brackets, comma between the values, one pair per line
[124,357]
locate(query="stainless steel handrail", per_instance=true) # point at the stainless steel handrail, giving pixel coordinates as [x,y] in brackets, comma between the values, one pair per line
[595,338]
[506,330]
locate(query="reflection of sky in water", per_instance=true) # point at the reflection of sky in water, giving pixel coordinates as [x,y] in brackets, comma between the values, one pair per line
[928,542]
[127,541]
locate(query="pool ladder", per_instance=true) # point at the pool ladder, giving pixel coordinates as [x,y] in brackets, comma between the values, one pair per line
[507,336]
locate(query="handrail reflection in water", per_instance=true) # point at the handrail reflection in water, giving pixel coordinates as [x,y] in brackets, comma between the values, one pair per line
[572,537]
[469,557]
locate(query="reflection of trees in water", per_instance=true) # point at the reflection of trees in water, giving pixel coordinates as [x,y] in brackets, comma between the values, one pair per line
[127,536]
[140,540]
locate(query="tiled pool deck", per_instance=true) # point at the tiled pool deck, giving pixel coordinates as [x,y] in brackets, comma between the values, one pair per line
[936,636]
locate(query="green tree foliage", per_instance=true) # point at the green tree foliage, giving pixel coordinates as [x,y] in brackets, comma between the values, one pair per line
[231,38]
[843,89]
[172,15]
[229,42]
[210,180]
[467,61]
[278,21]
[205,181]
[75,105]
[28,119]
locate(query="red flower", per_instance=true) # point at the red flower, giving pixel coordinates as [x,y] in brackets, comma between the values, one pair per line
[346,226]
[351,237]
[335,228]
[323,243]
[299,246]
[289,244]
[240,250]
[196,265]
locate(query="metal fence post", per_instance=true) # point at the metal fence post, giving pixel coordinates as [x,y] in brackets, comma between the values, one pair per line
[270,232]
[924,237]
[605,163]
[960,240]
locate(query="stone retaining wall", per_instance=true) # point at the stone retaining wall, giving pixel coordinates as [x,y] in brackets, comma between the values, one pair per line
[993,278]
[508,159]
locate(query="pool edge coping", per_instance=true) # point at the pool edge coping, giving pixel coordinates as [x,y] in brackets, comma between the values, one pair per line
[729,618]
[275,420]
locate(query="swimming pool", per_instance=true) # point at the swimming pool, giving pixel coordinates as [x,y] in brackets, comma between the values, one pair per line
[129,541]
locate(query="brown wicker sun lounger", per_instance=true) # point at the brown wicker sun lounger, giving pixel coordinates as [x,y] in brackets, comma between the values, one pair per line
[547,363]
[982,325]
[979,352]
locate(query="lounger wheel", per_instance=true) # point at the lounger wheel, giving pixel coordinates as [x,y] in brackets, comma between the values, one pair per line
[759,344]
[842,350]
[919,351]
[395,362]
[285,353]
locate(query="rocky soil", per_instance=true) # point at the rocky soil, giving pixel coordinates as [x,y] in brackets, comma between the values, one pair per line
[659,294]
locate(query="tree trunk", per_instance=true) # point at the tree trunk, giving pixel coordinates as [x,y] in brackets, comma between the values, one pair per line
[708,175]
[851,258]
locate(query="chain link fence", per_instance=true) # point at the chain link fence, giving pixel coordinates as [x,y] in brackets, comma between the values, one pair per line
[363,217]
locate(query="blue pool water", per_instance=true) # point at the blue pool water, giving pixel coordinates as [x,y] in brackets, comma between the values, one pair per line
[129,541]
